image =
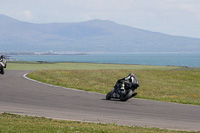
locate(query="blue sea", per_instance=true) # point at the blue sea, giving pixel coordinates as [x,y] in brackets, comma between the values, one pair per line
[155,59]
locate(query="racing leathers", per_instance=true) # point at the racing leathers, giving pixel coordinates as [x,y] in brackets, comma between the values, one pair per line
[130,80]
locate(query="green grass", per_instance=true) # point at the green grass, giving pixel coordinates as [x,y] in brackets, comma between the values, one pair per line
[11,123]
[76,66]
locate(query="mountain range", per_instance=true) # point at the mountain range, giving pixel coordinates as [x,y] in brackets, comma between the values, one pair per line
[89,36]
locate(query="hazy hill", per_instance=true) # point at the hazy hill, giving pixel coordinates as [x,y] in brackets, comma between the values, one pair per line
[89,36]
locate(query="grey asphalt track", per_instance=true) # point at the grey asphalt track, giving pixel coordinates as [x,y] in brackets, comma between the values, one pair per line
[21,96]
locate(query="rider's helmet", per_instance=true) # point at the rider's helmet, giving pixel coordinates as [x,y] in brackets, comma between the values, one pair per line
[2,56]
[131,74]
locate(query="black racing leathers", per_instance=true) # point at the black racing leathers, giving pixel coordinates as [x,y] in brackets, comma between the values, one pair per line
[130,80]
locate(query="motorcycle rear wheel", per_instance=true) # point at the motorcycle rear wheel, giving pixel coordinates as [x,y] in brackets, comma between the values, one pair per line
[127,96]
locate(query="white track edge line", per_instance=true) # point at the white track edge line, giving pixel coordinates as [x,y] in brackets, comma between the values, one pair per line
[58,86]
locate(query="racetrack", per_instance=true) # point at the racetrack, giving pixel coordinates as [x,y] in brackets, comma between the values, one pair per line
[25,97]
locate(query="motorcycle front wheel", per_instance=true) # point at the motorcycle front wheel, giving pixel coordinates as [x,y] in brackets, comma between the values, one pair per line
[108,96]
[1,70]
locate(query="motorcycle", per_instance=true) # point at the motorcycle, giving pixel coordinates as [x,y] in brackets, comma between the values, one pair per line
[125,94]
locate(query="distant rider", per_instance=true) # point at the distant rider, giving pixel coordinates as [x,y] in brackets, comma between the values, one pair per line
[2,64]
[130,80]
[2,59]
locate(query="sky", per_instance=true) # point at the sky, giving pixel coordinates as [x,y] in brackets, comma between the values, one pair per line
[174,17]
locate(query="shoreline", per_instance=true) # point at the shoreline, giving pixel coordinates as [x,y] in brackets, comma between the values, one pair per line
[83,53]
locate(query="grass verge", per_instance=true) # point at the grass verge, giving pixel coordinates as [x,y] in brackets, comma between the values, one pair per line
[11,123]
[76,66]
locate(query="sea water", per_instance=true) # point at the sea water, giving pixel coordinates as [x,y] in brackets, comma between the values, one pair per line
[156,59]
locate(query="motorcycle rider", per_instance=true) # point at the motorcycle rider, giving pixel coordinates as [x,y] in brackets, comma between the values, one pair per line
[2,64]
[130,80]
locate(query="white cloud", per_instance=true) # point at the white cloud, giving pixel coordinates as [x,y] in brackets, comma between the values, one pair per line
[26,15]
